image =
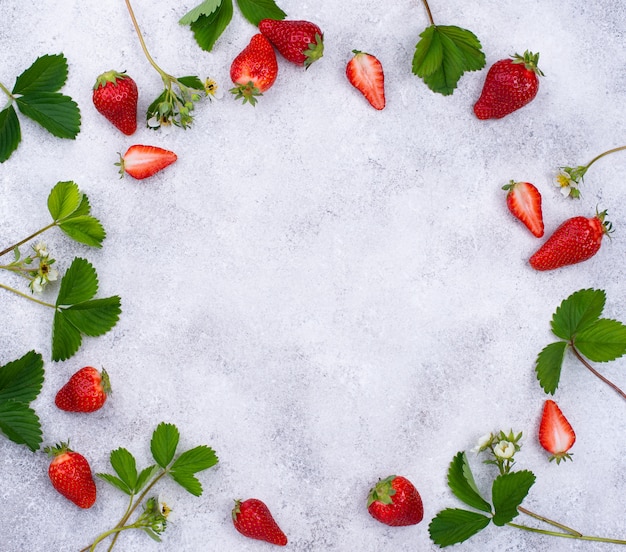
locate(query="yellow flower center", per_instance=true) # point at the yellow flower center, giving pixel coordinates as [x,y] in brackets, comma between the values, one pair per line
[563,180]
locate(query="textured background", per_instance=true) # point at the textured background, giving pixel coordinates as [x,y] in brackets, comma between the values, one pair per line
[323,293]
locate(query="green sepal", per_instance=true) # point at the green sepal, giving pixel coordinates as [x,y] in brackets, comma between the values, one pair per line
[455,525]
[603,341]
[461,482]
[48,73]
[549,364]
[579,311]
[208,28]
[164,443]
[57,113]
[10,132]
[508,492]
[256,10]
[152,534]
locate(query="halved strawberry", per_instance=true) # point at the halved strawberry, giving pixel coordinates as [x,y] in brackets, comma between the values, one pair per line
[555,432]
[524,201]
[141,161]
[365,73]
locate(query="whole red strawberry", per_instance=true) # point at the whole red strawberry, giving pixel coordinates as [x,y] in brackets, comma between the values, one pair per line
[70,475]
[254,70]
[524,201]
[300,42]
[510,84]
[556,435]
[575,241]
[115,96]
[253,519]
[395,501]
[86,391]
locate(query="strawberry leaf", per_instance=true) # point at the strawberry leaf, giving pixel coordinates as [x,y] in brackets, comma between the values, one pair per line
[124,464]
[208,28]
[549,364]
[20,423]
[164,442]
[188,481]
[66,339]
[64,199]
[84,229]
[79,283]
[603,341]
[443,54]
[21,380]
[57,113]
[455,525]
[256,10]
[116,482]
[205,8]
[10,133]
[461,482]
[144,476]
[195,460]
[192,82]
[94,318]
[508,492]
[47,74]
[579,311]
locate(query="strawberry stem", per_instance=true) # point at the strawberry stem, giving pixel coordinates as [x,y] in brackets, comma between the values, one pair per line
[569,534]
[549,521]
[9,249]
[8,288]
[596,373]
[603,154]
[163,74]
[428,12]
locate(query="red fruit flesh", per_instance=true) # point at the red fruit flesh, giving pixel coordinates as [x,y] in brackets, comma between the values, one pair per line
[556,435]
[253,519]
[86,391]
[70,474]
[524,202]
[300,42]
[365,73]
[254,70]
[115,96]
[141,161]
[575,241]
[395,501]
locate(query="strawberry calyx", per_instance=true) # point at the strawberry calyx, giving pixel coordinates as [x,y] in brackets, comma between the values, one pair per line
[237,509]
[105,382]
[529,60]
[248,92]
[109,77]
[382,491]
[561,457]
[58,449]
[607,225]
[314,52]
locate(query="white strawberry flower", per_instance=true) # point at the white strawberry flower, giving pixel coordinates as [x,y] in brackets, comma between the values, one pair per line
[41,250]
[37,284]
[483,442]
[504,450]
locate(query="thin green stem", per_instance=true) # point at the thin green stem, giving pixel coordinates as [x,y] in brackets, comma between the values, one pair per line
[428,12]
[163,74]
[9,249]
[7,92]
[596,373]
[550,521]
[565,535]
[605,153]
[22,271]
[8,288]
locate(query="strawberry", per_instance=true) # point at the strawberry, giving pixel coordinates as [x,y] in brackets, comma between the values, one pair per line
[86,391]
[254,70]
[510,84]
[115,96]
[576,240]
[253,519]
[300,42]
[555,432]
[141,161]
[395,501]
[365,73]
[70,475]
[524,201]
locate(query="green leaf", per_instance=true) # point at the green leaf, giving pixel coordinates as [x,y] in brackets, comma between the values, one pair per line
[20,424]
[116,482]
[79,283]
[549,364]
[83,209]
[196,459]
[21,380]
[84,229]
[508,492]
[144,476]
[95,317]
[192,82]
[124,464]
[443,54]
[207,29]
[461,482]
[579,311]
[454,525]
[164,442]
[205,8]
[47,74]
[152,534]
[256,10]
[64,199]
[603,341]
[10,133]
[188,481]
[66,339]
[57,113]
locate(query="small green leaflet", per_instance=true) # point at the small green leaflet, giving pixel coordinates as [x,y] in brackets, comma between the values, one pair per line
[210,18]
[77,313]
[20,383]
[70,211]
[36,94]
[455,525]
[508,492]
[443,54]
[577,322]
[461,482]
[164,443]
